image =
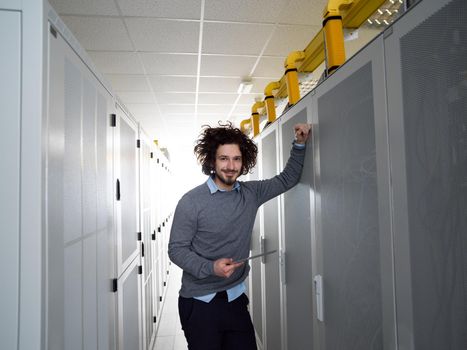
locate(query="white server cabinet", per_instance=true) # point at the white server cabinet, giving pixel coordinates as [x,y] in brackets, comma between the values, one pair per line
[148,252]
[79,232]
[10,123]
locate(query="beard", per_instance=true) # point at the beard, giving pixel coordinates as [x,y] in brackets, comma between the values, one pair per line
[227,180]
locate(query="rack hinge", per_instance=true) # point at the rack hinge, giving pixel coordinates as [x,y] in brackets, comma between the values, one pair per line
[113,120]
[139,236]
[53,31]
[138,143]
[114,285]
[140,269]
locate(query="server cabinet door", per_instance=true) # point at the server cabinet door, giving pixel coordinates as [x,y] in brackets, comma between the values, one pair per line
[296,211]
[348,225]
[146,245]
[126,190]
[256,274]
[272,285]
[129,306]
[426,59]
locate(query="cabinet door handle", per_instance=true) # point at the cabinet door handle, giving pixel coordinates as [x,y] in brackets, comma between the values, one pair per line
[118,190]
[318,284]
[262,249]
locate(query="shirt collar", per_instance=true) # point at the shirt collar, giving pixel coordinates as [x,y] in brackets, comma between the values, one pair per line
[213,188]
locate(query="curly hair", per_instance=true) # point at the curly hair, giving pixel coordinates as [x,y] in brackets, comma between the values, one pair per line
[211,138]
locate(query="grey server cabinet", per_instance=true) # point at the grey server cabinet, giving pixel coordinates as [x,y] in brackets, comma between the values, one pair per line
[10,71]
[426,58]
[255,288]
[272,311]
[79,232]
[297,211]
[353,272]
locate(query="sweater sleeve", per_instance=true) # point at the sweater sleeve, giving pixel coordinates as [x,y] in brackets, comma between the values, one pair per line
[183,230]
[288,178]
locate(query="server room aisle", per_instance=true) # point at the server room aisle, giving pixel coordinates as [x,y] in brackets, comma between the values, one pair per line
[170,335]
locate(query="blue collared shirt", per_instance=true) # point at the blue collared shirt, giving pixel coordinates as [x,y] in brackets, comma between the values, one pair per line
[234,292]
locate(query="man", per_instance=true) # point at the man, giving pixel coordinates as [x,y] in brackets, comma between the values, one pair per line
[211,230]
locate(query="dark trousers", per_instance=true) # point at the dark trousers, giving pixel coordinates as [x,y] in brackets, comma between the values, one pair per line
[217,325]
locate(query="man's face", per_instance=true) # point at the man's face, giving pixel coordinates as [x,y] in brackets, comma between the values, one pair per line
[228,165]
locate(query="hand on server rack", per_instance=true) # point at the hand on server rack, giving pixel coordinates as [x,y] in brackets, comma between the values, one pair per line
[302,132]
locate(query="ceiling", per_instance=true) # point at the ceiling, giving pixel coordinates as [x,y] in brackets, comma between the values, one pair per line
[177,64]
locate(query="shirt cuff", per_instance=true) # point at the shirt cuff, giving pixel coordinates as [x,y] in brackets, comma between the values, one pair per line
[298,145]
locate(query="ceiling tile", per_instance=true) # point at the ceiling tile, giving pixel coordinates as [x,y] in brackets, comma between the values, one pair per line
[206,98]
[259,11]
[235,38]
[161,8]
[239,66]
[170,64]
[303,12]
[177,109]
[290,38]
[214,109]
[99,33]
[129,97]
[117,62]
[180,118]
[165,98]
[209,84]
[211,120]
[270,67]
[127,82]
[84,7]
[150,34]
[249,99]
[244,111]
[173,83]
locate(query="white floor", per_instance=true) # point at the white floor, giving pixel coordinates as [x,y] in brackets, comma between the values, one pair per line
[170,335]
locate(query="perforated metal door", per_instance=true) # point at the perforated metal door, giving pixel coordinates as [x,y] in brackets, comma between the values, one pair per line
[349,215]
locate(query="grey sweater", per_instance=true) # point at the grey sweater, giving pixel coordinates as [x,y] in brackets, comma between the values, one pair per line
[207,227]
